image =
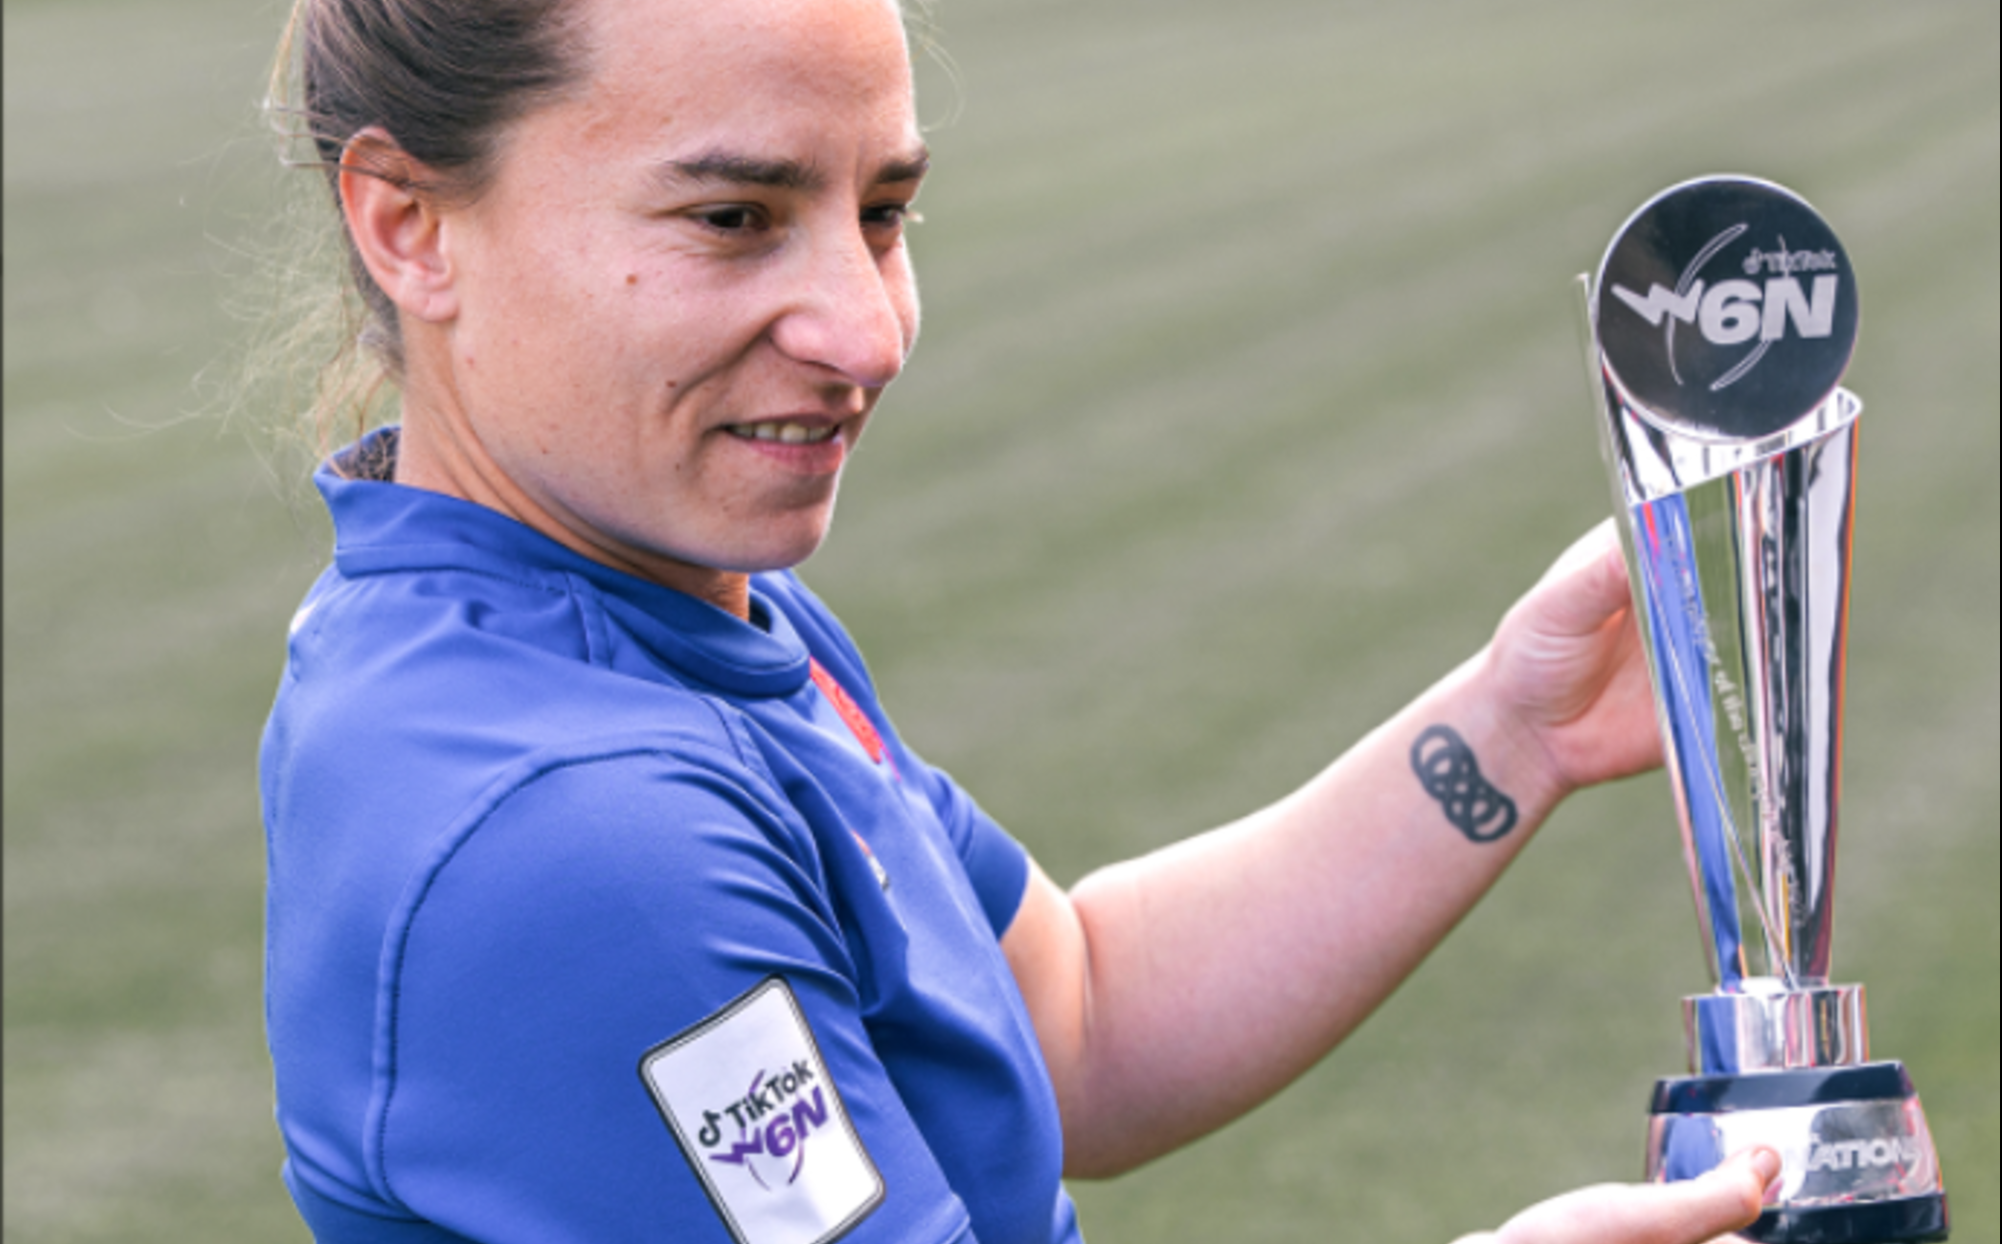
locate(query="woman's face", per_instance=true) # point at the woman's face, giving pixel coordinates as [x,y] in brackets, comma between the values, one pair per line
[687,285]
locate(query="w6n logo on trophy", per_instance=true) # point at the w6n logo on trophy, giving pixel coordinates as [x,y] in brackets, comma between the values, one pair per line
[1729,310]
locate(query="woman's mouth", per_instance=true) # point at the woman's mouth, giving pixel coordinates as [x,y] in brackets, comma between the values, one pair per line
[783,432]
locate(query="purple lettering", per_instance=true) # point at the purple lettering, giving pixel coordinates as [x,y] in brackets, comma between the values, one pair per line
[807,1116]
[780,1137]
[753,1142]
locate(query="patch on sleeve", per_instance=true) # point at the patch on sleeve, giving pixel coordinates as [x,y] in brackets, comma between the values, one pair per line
[748,1098]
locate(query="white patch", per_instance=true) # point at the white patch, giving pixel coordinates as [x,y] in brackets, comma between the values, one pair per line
[750,1101]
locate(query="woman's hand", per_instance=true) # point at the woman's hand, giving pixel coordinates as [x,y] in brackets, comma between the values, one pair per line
[1697,1212]
[1568,668]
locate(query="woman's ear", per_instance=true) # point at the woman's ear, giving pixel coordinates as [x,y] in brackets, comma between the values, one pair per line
[396,225]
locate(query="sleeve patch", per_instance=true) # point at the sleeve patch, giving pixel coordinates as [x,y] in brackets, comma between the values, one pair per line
[748,1098]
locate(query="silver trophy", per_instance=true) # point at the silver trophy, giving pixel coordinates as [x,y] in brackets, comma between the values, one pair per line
[1722,318]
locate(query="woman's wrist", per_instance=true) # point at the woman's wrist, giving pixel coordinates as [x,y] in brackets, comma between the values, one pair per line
[1503,747]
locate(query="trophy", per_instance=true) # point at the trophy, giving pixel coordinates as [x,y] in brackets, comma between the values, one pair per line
[1722,318]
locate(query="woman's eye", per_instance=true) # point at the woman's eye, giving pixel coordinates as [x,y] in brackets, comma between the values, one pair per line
[889,216]
[732,218]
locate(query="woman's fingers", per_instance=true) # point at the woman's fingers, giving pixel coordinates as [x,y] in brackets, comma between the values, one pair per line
[1694,1212]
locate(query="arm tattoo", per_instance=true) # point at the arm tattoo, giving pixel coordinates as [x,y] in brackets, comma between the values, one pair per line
[1446,767]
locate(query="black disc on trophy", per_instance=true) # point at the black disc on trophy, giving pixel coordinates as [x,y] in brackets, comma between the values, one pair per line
[1726,308]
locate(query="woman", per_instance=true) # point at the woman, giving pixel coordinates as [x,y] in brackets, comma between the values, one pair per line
[604,902]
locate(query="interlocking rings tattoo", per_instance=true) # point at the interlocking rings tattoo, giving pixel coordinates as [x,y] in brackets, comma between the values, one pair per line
[1447,768]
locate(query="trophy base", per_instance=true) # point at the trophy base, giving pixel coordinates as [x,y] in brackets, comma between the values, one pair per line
[1859,1163]
[1919,1218]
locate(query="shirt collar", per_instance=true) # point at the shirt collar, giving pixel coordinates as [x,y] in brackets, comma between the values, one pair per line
[382,527]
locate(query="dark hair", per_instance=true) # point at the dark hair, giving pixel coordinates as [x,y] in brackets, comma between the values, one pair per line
[442,78]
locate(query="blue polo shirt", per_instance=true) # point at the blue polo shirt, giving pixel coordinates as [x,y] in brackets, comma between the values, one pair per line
[598,914]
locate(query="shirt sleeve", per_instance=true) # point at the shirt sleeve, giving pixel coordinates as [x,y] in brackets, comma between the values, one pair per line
[619,1007]
[996,864]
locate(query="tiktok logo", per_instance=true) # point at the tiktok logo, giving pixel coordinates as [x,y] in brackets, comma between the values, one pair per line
[749,1099]
[774,1120]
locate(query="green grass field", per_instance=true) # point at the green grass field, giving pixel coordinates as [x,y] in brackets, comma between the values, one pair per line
[1249,396]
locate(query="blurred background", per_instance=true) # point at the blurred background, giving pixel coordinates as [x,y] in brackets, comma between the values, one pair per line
[1250,395]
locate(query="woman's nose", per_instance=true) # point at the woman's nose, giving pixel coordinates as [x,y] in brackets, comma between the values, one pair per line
[856,312]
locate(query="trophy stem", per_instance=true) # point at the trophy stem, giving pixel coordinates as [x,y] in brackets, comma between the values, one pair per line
[1742,579]
[1770,1027]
